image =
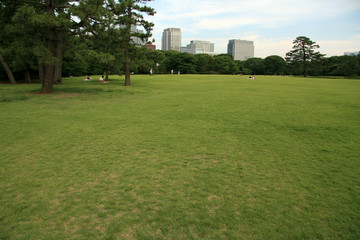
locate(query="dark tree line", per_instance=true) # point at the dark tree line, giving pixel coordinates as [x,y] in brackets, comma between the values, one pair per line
[164,61]
[75,63]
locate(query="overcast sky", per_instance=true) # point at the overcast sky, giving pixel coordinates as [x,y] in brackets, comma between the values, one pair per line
[271,24]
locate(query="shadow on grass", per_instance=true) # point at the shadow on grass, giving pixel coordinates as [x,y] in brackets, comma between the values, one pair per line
[81,90]
[13,98]
[24,91]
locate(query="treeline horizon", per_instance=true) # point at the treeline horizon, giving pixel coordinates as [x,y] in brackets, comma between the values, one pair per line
[75,63]
[46,40]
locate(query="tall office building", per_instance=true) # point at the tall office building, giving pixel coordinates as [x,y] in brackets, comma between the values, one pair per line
[171,39]
[136,40]
[197,46]
[241,49]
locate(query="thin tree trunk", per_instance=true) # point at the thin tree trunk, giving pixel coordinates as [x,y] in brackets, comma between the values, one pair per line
[41,72]
[106,75]
[59,56]
[7,70]
[27,76]
[58,65]
[304,60]
[127,43]
[47,86]
[127,68]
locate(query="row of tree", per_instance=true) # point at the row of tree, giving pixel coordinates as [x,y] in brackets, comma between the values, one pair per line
[47,35]
[75,63]
[163,62]
[48,39]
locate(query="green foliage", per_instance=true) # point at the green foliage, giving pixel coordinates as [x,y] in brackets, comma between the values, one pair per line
[242,67]
[224,64]
[350,66]
[256,65]
[303,52]
[202,63]
[39,29]
[183,62]
[275,65]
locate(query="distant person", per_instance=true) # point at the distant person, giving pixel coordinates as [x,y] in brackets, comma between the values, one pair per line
[172,71]
[89,78]
[178,72]
[151,71]
[101,79]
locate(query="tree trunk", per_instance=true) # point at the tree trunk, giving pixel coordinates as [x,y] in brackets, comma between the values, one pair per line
[7,70]
[27,76]
[47,86]
[127,68]
[106,75]
[304,60]
[58,66]
[127,43]
[41,72]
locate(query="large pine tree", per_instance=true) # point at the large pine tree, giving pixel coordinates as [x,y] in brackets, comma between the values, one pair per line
[303,52]
[131,14]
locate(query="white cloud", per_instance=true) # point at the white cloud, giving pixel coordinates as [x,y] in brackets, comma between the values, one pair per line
[268,47]
[260,21]
[214,14]
[338,47]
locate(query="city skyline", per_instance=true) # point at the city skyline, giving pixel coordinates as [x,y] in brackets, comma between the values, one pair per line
[271,24]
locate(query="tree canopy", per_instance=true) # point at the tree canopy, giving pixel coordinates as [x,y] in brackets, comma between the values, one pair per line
[303,52]
[39,29]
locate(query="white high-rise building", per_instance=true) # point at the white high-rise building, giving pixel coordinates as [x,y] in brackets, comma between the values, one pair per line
[241,49]
[137,40]
[197,46]
[171,39]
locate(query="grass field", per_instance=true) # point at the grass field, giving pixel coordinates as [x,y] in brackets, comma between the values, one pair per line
[181,157]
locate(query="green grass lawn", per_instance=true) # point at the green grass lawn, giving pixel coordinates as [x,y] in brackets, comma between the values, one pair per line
[181,157]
